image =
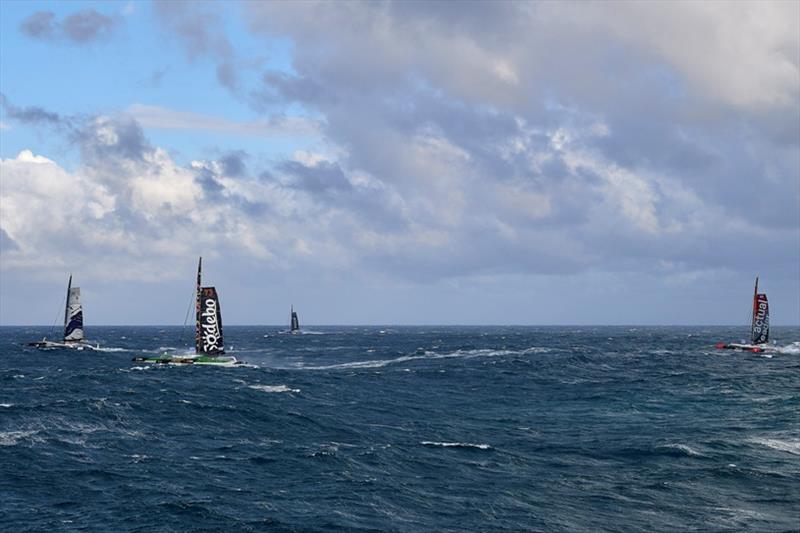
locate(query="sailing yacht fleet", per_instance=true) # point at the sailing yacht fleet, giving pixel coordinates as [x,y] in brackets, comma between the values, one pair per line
[209,348]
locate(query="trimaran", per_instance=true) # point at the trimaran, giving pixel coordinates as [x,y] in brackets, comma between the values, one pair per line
[294,327]
[208,344]
[73,325]
[759,327]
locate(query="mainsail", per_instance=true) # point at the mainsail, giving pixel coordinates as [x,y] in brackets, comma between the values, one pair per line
[295,321]
[759,329]
[208,333]
[73,314]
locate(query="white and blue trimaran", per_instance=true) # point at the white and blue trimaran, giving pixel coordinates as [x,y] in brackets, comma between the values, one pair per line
[208,344]
[73,325]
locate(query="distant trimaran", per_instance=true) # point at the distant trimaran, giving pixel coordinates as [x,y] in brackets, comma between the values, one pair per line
[294,327]
[73,325]
[759,326]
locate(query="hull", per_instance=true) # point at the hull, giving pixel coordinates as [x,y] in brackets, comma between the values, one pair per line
[755,348]
[200,360]
[50,345]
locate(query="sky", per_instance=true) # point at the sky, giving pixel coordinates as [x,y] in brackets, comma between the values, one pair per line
[401,162]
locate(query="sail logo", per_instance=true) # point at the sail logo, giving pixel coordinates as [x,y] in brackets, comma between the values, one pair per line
[209,326]
[761,320]
[761,317]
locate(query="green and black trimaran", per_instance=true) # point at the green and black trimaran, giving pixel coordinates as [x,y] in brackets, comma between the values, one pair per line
[208,345]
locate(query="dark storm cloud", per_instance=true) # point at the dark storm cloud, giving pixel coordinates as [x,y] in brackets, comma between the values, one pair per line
[82,27]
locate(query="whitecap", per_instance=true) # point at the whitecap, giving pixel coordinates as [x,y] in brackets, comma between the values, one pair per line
[784,445]
[11,438]
[683,448]
[427,354]
[272,388]
[790,349]
[456,445]
[6,405]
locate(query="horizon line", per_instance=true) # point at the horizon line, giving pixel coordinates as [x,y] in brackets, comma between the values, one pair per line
[408,325]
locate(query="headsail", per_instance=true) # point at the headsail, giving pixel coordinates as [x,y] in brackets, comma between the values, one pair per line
[73,314]
[295,321]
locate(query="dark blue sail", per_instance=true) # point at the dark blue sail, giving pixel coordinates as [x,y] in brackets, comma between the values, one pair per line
[73,314]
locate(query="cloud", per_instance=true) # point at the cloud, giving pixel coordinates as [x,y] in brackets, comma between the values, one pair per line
[199,29]
[525,136]
[485,142]
[81,27]
[30,115]
[276,125]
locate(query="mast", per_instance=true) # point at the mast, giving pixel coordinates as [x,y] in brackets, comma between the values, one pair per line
[755,309]
[197,332]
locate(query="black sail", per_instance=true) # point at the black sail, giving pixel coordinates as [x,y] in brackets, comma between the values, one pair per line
[209,340]
[295,322]
[760,330]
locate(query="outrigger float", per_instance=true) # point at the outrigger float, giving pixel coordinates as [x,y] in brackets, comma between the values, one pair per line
[208,344]
[759,327]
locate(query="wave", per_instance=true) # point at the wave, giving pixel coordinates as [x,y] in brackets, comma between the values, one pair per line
[457,445]
[111,349]
[11,438]
[681,449]
[6,405]
[378,363]
[272,388]
[784,445]
[789,349]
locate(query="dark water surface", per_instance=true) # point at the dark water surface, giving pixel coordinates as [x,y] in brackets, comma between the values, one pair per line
[403,429]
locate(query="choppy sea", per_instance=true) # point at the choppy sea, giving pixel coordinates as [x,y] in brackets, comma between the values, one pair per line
[403,429]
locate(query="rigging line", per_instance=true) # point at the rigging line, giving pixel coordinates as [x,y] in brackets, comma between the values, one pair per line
[186,318]
[54,327]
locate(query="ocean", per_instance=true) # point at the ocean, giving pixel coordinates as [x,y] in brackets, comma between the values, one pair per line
[406,429]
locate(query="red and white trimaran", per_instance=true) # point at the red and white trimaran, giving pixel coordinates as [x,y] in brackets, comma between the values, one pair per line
[759,326]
